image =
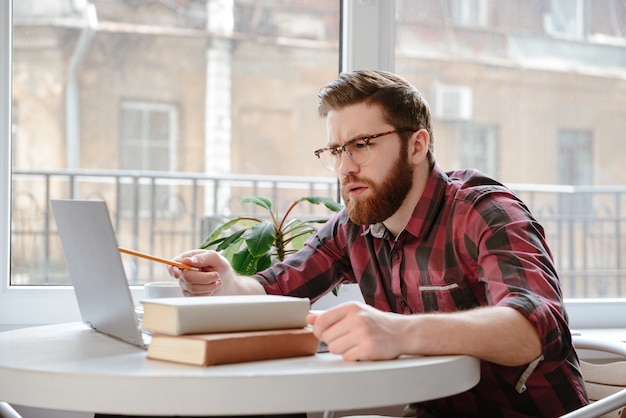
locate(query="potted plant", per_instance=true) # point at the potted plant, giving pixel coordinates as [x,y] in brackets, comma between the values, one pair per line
[252,244]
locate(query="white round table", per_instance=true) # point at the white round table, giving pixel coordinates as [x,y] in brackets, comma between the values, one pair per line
[71,367]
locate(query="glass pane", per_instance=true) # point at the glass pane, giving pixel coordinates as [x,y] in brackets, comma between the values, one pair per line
[151,106]
[159,125]
[549,78]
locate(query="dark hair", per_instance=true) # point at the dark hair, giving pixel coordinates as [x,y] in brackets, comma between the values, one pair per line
[402,104]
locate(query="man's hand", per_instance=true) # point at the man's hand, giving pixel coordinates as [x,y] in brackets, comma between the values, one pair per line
[498,334]
[214,276]
[359,332]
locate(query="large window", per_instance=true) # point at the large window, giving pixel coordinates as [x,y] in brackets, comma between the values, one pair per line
[173,113]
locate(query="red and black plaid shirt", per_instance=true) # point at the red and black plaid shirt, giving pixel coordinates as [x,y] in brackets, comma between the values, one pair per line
[470,242]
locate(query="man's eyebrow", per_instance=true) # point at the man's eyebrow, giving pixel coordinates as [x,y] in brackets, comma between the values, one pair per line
[350,138]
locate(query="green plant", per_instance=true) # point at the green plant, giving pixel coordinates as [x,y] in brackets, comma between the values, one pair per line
[256,243]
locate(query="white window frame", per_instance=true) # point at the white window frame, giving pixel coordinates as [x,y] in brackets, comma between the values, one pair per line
[27,306]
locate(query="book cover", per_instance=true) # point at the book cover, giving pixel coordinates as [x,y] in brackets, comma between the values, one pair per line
[233,347]
[211,314]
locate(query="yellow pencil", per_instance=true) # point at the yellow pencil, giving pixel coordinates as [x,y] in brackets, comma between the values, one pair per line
[158,259]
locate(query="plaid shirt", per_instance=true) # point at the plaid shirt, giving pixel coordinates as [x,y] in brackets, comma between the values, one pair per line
[470,242]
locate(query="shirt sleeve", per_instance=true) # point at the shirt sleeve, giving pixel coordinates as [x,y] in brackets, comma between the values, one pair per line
[517,268]
[317,268]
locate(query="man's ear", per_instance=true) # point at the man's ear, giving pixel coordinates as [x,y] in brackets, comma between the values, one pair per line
[418,146]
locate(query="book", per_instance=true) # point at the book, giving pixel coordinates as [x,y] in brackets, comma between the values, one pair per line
[212,314]
[233,347]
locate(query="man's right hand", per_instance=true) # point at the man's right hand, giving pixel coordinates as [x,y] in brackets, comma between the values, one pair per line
[214,275]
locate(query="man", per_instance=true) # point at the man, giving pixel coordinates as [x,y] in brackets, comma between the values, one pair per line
[448,263]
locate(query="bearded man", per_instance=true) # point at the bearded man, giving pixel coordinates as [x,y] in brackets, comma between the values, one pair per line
[447,262]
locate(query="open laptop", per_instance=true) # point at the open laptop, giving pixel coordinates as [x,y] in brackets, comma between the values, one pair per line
[96,270]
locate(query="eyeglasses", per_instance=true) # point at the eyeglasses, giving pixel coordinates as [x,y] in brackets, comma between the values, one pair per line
[357,150]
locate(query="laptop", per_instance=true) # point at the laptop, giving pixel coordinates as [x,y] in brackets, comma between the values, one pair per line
[96,270]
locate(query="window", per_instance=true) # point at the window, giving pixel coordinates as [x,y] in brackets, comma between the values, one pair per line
[469,12]
[575,157]
[502,88]
[162,110]
[148,137]
[244,74]
[479,148]
[567,18]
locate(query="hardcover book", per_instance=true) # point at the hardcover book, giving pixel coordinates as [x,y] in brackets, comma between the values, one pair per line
[216,314]
[233,347]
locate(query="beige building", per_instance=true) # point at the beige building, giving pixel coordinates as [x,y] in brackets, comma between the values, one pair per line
[512,93]
[532,92]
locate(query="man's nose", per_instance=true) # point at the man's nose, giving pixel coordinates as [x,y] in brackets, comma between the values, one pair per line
[346,165]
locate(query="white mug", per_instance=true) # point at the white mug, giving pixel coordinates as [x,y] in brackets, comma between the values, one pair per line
[162,290]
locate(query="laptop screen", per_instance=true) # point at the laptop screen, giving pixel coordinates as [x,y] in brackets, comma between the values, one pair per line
[96,269]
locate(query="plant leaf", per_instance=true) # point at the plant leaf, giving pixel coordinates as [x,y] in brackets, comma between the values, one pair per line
[296,229]
[298,241]
[330,204]
[212,237]
[244,263]
[318,220]
[231,240]
[259,201]
[293,225]
[261,238]
[264,262]
[230,251]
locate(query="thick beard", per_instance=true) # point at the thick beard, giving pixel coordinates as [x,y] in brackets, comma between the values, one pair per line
[385,197]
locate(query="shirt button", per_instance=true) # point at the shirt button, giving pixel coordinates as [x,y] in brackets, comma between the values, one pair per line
[395,256]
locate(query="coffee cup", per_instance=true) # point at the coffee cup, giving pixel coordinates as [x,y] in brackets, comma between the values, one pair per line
[162,290]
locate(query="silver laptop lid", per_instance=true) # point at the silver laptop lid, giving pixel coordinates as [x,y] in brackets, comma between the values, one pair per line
[95,268]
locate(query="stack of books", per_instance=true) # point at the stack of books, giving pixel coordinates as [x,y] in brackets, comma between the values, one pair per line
[213,330]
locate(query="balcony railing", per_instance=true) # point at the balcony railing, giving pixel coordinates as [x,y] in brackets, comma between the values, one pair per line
[166,213]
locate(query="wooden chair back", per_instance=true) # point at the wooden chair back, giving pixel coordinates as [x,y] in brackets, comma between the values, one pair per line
[603,380]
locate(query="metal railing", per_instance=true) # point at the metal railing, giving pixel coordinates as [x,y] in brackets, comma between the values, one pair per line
[165,213]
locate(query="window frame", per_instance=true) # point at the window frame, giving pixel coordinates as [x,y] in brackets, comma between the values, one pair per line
[364,25]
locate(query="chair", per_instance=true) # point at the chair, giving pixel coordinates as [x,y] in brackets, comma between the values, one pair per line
[605,380]
[6,411]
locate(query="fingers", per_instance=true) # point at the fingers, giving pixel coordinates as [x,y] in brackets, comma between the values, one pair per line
[310,318]
[210,284]
[189,254]
[185,258]
[335,327]
[200,283]
[207,279]
[355,331]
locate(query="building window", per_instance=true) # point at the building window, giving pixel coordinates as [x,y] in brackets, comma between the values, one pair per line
[469,12]
[148,136]
[575,157]
[149,133]
[575,168]
[479,148]
[567,18]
